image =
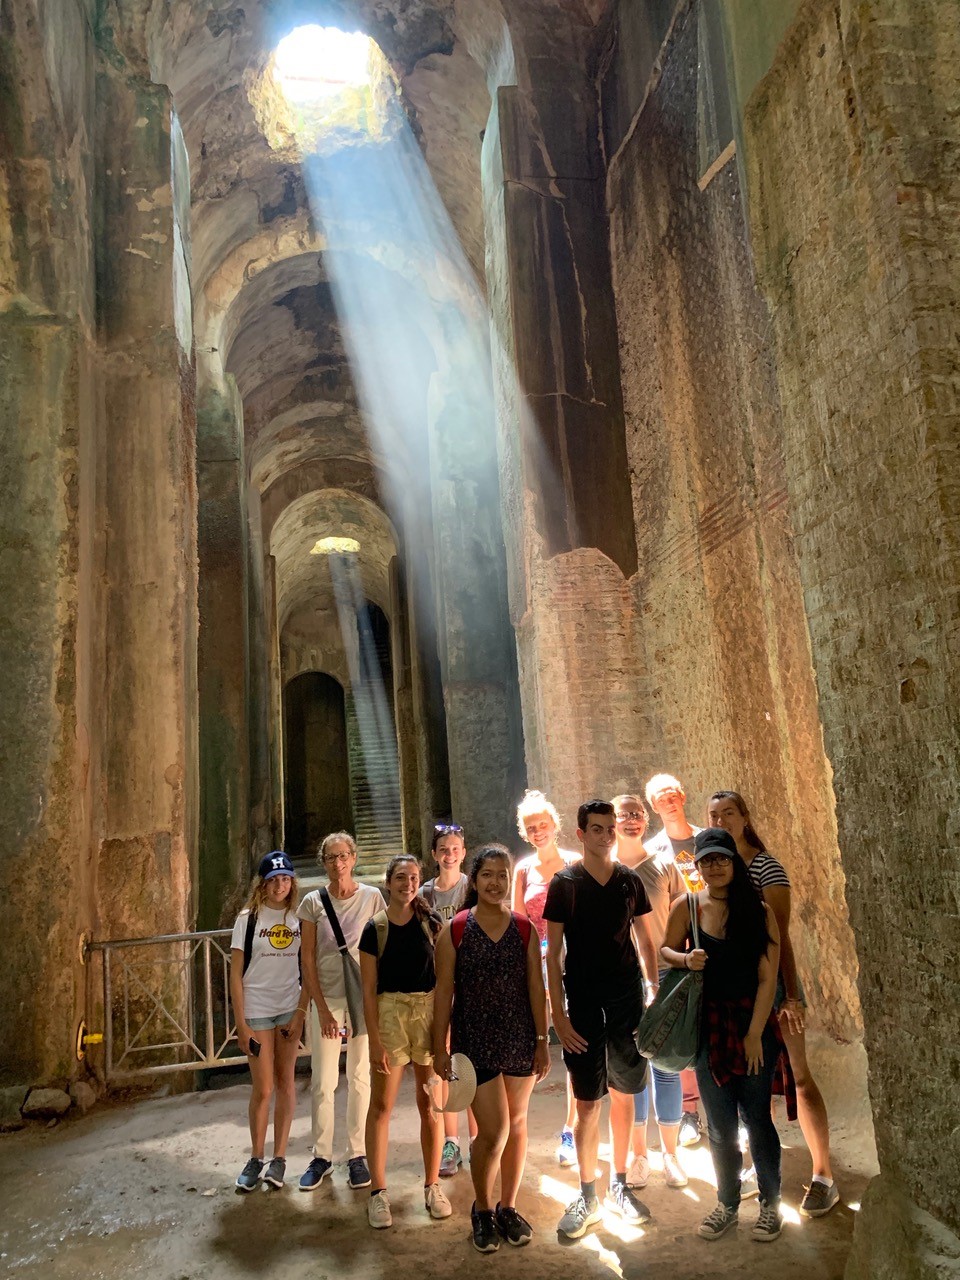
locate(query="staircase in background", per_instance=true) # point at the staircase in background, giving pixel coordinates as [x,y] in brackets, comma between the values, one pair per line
[374,780]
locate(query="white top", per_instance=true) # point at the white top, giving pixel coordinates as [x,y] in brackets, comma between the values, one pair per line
[353,913]
[271,985]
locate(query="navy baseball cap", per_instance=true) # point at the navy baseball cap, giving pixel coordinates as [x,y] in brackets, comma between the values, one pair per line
[713,840]
[275,864]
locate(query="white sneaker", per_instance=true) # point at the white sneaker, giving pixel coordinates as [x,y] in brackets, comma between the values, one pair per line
[378,1211]
[673,1172]
[437,1204]
[638,1175]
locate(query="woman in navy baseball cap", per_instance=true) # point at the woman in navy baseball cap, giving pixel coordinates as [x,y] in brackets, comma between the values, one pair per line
[268,1007]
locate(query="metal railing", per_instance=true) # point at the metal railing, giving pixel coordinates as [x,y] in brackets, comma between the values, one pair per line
[166,1004]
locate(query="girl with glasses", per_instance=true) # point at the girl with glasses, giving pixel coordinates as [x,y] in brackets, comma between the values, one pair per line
[353,904]
[740,1043]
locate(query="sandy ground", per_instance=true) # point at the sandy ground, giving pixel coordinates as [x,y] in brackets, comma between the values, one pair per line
[145,1189]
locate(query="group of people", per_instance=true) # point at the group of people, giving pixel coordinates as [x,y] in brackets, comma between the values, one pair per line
[481,963]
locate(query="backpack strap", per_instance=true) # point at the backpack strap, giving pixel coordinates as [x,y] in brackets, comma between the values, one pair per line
[524,926]
[248,940]
[457,926]
[382,926]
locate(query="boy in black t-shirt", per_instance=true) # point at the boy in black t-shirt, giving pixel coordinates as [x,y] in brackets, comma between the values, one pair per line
[592,906]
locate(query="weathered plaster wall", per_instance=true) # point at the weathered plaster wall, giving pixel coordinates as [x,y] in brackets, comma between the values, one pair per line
[727,686]
[853,144]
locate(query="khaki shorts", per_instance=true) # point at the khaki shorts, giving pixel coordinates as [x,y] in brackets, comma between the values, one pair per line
[406,1026]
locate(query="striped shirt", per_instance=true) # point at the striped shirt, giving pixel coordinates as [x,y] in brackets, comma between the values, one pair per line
[766,871]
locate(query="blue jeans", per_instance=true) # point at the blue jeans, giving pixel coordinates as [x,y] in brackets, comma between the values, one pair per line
[748,1096]
[667,1099]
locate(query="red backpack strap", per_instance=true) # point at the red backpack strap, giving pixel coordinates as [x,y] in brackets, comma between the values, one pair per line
[457,926]
[525,927]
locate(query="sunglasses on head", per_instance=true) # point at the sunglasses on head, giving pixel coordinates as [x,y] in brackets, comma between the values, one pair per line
[447,829]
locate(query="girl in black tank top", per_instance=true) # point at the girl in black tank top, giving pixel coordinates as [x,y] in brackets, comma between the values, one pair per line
[740,1042]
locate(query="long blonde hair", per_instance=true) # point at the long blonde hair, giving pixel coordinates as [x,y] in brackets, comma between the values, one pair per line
[257,899]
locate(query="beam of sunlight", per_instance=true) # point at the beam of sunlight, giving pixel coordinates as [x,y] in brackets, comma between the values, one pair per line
[609,1259]
[418,333]
[378,738]
[556,1189]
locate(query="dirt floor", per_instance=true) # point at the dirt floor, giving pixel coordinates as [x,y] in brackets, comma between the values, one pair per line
[145,1189]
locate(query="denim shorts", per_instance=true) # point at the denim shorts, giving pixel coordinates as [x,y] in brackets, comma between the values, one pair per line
[267,1024]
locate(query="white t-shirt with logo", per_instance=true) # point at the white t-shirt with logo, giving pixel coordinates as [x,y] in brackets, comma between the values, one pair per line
[352,913]
[271,985]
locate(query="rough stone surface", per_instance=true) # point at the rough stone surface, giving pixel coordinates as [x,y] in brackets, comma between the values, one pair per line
[726,683]
[41,1104]
[11,1102]
[83,1095]
[856,229]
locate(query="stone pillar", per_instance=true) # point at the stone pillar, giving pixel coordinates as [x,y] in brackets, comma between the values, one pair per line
[48,720]
[147,509]
[852,142]
[223,654]
[261,801]
[477,653]
[275,695]
[567,513]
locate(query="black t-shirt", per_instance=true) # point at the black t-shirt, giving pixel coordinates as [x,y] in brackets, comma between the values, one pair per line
[407,960]
[601,957]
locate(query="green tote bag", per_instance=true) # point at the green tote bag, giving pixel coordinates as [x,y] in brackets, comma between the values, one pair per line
[669,1031]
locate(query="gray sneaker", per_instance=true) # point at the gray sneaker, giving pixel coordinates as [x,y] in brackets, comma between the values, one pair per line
[250,1175]
[275,1172]
[578,1216]
[630,1208]
[450,1160]
[819,1199]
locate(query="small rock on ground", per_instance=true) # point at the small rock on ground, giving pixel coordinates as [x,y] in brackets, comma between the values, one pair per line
[11,1100]
[43,1103]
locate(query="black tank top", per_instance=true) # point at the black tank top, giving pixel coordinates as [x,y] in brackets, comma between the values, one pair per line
[729,974]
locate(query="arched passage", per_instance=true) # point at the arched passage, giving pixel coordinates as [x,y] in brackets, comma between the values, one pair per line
[316,767]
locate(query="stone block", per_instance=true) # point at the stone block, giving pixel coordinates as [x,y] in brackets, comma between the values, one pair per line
[41,1104]
[83,1095]
[11,1102]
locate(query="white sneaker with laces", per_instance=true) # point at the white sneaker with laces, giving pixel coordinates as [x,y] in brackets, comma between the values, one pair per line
[638,1175]
[378,1211]
[437,1204]
[673,1172]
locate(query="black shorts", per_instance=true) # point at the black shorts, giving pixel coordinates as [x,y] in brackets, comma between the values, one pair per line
[611,1059]
[485,1075]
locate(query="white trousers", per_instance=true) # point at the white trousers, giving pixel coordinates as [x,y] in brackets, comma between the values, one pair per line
[325,1076]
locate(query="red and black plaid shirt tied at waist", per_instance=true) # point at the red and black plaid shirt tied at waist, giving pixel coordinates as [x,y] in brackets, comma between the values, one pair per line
[722,1024]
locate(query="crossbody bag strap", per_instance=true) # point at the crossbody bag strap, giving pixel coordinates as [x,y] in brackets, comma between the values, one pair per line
[334,922]
[692,908]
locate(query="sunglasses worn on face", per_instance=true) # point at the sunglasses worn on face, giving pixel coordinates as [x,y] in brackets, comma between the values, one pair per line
[448,829]
[714,860]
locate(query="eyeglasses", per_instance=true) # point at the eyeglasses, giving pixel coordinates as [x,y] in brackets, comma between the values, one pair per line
[337,857]
[626,814]
[714,859]
[447,829]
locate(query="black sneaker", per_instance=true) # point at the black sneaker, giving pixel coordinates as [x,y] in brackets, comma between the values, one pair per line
[485,1237]
[769,1224]
[275,1172]
[691,1130]
[250,1175]
[516,1230]
[819,1199]
[314,1174]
